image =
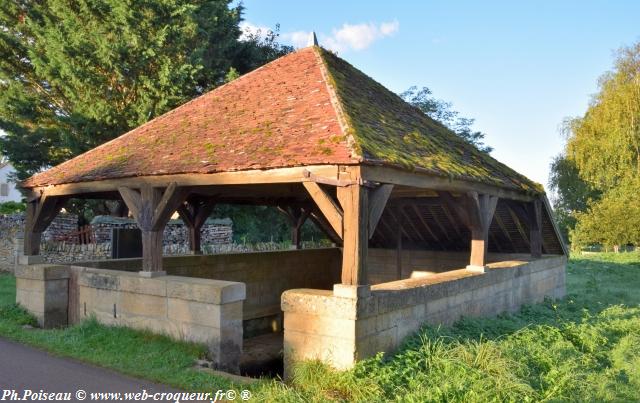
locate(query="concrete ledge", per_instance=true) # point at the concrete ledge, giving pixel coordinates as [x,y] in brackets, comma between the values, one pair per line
[42,272]
[205,290]
[30,259]
[351,291]
[353,323]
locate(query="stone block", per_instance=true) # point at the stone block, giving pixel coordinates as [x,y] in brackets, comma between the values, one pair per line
[44,292]
[142,305]
[141,285]
[351,291]
[205,290]
[100,279]
[337,352]
[30,259]
[151,274]
[476,269]
[320,325]
[42,272]
[204,314]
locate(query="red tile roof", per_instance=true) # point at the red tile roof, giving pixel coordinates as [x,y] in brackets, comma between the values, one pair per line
[308,107]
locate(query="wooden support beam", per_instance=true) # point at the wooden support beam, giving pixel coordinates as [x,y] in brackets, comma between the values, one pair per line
[535,230]
[480,209]
[296,215]
[354,200]
[319,220]
[194,214]
[476,212]
[152,208]
[378,200]
[40,212]
[327,206]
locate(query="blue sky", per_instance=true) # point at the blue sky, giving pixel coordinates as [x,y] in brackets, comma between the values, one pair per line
[519,68]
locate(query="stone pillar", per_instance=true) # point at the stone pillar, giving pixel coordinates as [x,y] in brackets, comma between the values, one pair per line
[43,290]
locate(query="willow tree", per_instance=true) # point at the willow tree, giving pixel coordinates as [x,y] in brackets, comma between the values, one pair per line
[605,142]
[604,145]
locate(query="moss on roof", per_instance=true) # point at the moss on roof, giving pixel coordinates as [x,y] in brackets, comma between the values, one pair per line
[387,130]
[306,108]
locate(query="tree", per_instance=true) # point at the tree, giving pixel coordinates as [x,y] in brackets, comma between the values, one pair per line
[74,74]
[442,111]
[605,142]
[612,221]
[570,193]
[603,149]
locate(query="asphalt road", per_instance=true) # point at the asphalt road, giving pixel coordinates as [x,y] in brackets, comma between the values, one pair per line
[24,368]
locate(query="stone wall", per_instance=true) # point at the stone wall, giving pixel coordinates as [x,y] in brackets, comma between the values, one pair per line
[352,323]
[11,234]
[216,234]
[192,309]
[214,231]
[382,264]
[266,275]
[10,227]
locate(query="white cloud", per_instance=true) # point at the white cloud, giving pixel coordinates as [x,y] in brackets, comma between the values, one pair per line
[299,39]
[359,36]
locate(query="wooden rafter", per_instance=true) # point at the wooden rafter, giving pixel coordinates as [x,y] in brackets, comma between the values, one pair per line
[441,227]
[504,230]
[426,225]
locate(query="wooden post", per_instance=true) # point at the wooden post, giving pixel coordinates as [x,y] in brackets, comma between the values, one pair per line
[194,214]
[152,208]
[481,209]
[296,216]
[355,206]
[535,228]
[476,212]
[40,212]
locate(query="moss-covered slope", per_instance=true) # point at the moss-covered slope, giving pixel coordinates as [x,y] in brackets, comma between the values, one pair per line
[387,130]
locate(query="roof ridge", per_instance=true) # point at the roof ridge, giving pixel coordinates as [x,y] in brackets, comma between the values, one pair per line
[341,114]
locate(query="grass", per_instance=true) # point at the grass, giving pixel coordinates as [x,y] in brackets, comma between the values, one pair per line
[585,347]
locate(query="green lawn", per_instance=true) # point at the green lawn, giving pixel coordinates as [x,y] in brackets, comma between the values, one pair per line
[583,348]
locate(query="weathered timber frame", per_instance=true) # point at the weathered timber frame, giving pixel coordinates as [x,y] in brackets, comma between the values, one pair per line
[194,214]
[152,208]
[345,201]
[40,212]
